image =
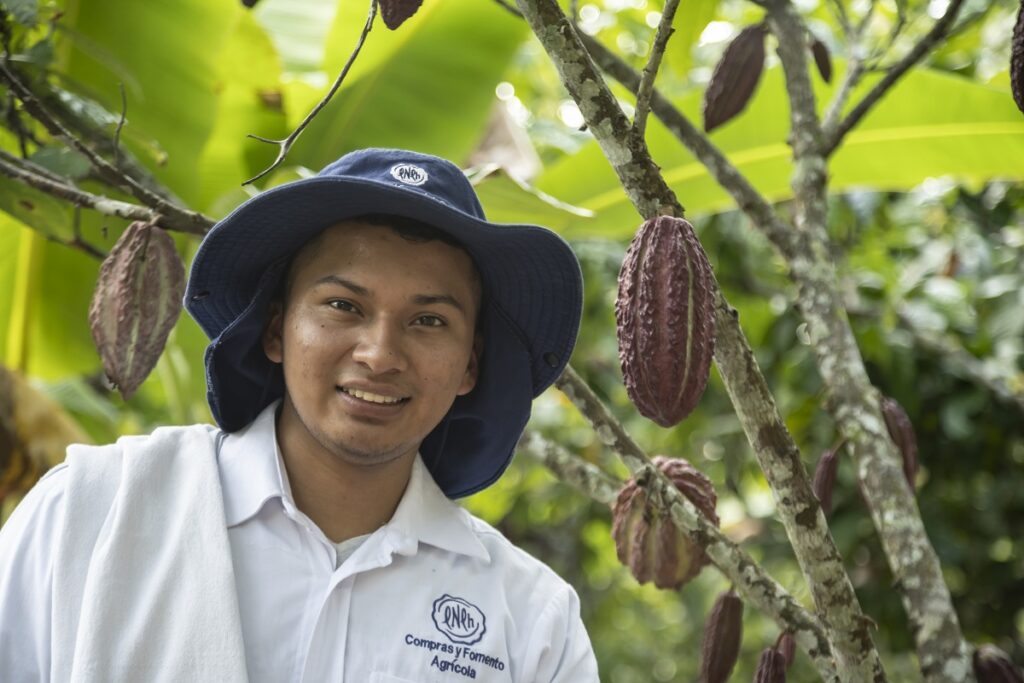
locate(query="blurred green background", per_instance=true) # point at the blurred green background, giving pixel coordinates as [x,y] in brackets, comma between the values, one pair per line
[927,218]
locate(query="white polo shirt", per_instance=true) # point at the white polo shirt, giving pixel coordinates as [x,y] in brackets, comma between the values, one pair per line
[435,595]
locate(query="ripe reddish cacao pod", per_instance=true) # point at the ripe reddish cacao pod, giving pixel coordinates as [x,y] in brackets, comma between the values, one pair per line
[1017,59]
[136,303]
[786,644]
[665,319]
[648,543]
[723,633]
[902,433]
[735,77]
[992,665]
[771,667]
[395,12]
[822,59]
[825,478]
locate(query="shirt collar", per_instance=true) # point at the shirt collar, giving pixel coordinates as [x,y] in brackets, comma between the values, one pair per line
[252,472]
[426,515]
[251,468]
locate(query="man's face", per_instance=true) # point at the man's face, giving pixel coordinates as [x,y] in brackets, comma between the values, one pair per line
[377,339]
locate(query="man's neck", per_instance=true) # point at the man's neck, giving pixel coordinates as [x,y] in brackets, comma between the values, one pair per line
[342,499]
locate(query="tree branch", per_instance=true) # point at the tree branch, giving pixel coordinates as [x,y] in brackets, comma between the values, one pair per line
[572,469]
[285,145]
[69,193]
[854,403]
[747,198]
[181,219]
[916,54]
[764,427]
[646,88]
[754,584]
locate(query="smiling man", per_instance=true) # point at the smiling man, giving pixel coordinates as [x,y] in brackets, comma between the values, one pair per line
[375,348]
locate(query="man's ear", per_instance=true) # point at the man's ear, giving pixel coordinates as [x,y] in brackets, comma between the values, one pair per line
[473,369]
[273,343]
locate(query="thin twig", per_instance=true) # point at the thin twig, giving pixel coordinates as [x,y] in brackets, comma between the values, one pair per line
[286,144]
[177,218]
[120,125]
[643,95]
[923,46]
[747,198]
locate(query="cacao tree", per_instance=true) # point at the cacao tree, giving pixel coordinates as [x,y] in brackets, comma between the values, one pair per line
[803,102]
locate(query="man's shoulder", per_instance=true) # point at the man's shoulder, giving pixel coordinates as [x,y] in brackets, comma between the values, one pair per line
[515,564]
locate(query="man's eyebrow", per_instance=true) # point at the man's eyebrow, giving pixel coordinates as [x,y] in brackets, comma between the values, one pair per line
[429,299]
[347,284]
[419,299]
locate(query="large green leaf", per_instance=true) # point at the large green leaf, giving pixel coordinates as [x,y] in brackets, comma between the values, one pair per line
[299,29]
[428,86]
[931,124]
[250,101]
[171,51]
[690,20]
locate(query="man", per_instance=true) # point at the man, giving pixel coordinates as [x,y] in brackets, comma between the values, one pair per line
[376,344]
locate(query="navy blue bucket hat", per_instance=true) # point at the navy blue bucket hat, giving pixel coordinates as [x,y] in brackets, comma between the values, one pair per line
[532,299]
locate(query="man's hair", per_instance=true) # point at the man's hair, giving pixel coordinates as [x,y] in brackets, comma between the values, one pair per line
[411,229]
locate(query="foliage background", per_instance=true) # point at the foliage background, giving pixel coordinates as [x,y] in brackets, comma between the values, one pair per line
[930,223]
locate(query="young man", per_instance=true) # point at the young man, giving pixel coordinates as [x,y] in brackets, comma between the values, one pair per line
[376,344]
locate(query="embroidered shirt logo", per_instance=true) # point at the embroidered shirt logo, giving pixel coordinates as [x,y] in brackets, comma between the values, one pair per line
[410,174]
[460,620]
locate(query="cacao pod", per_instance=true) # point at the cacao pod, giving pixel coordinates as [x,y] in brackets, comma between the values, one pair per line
[786,644]
[992,665]
[648,543]
[825,478]
[822,59]
[395,12]
[723,633]
[902,433]
[735,77]
[1017,59]
[665,316]
[771,667]
[136,303]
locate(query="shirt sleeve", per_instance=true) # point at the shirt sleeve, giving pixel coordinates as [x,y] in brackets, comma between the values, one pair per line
[27,542]
[559,650]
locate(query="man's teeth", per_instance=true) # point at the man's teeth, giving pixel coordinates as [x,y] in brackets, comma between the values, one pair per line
[372,398]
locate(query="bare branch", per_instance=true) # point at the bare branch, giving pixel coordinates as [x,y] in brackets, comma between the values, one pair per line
[916,54]
[69,193]
[570,468]
[178,218]
[747,198]
[756,586]
[646,88]
[286,144]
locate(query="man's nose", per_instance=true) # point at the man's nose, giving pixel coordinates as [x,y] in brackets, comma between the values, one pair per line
[379,347]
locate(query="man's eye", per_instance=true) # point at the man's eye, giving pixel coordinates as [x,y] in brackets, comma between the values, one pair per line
[341,305]
[429,321]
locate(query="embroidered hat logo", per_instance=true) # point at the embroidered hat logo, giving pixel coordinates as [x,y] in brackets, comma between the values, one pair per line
[410,174]
[460,620]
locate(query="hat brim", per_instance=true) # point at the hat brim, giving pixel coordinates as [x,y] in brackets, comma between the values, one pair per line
[530,316]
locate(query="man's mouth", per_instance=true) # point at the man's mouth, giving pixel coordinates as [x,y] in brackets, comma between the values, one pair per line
[371,397]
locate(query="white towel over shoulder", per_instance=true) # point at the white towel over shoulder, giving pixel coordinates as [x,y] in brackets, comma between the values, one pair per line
[144,588]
